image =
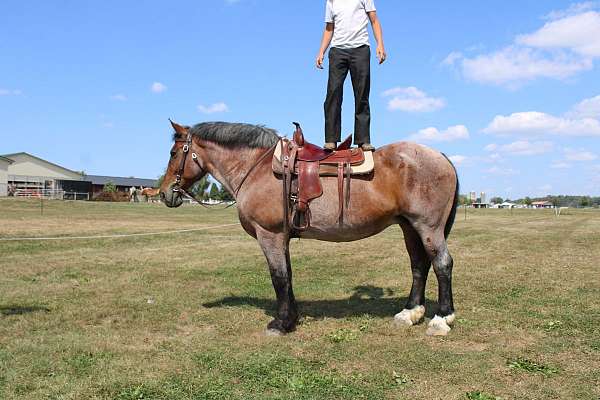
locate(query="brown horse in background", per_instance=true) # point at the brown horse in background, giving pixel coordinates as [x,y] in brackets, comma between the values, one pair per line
[150,193]
[411,185]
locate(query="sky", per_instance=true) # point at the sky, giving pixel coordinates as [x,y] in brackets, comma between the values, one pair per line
[510,89]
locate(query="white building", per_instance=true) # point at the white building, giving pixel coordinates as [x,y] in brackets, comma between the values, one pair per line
[4,163]
[28,172]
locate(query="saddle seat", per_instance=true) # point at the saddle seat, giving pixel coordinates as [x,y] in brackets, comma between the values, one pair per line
[302,164]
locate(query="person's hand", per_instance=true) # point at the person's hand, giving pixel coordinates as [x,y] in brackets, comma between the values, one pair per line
[381,55]
[320,60]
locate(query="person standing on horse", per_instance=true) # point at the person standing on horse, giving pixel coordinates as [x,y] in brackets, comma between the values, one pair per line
[346,23]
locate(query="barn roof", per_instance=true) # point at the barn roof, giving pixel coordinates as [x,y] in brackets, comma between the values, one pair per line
[120,181]
[8,160]
[23,153]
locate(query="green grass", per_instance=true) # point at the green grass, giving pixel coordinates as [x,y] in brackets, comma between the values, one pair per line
[183,316]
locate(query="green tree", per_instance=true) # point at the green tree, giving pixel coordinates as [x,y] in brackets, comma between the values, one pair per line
[224,194]
[527,200]
[497,200]
[109,187]
[214,192]
[199,188]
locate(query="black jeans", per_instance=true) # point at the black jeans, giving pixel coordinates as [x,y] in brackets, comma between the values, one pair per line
[358,62]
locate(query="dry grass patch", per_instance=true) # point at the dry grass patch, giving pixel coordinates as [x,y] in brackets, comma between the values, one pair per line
[182,316]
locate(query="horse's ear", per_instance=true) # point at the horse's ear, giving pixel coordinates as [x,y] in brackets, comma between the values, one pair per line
[180,130]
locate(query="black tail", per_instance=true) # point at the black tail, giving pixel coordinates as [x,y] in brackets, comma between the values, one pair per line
[452,215]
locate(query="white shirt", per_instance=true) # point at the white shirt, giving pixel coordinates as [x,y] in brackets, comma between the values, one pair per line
[351,21]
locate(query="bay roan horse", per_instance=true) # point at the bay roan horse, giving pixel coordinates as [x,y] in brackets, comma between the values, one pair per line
[412,185]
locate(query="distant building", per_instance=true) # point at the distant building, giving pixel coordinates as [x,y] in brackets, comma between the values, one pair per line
[122,184]
[542,204]
[506,204]
[33,176]
[30,173]
[482,198]
[4,163]
[473,197]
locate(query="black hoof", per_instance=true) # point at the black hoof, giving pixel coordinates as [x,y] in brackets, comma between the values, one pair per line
[280,326]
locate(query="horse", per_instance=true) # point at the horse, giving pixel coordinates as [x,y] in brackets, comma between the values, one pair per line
[150,193]
[412,185]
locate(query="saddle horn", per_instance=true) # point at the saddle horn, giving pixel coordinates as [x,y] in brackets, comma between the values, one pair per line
[298,135]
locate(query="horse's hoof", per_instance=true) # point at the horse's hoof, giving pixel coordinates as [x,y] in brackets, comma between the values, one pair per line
[273,332]
[409,317]
[440,326]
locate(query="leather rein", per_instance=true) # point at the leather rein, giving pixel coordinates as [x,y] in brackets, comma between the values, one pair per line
[186,149]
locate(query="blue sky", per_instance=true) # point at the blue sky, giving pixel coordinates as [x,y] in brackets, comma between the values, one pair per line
[509,89]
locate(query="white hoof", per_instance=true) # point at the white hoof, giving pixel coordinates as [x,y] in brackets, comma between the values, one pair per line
[440,326]
[273,333]
[408,317]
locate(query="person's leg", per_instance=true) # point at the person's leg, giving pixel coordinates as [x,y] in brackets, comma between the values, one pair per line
[360,72]
[338,70]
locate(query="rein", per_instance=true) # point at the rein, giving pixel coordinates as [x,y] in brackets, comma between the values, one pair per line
[186,149]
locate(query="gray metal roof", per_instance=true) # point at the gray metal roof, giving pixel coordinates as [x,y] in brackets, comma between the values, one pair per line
[120,181]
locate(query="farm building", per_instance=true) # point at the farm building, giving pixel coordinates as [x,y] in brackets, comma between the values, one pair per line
[122,184]
[542,204]
[29,173]
[4,163]
[34,176]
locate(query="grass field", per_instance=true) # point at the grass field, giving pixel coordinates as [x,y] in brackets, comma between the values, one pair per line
[182,316]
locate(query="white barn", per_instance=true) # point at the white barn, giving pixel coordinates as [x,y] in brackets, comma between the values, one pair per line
[4,163]
[28,172]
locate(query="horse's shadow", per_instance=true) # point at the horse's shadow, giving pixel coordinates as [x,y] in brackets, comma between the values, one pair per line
[365,301]
[20,310]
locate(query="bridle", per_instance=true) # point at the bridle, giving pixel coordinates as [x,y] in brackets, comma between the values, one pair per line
[176,188]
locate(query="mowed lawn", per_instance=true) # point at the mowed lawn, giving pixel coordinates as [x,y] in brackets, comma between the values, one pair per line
[182,316]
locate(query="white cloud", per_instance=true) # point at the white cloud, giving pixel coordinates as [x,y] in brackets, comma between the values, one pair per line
[538,123]
[458,159]
[521,148]
[10,92]
[573,9]
[495,170]
[431,134]
[513,66]
[560,165]
[411,99]
[213,108]
[579,155]
[579,33]
[119,97]
[452,58]
[565,46]
[158,87]
[588,108]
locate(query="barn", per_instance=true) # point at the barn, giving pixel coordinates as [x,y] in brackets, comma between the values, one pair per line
[29,173]
[4,163]
[122,184]
[33,176]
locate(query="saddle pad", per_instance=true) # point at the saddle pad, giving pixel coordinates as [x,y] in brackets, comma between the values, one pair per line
[329,170]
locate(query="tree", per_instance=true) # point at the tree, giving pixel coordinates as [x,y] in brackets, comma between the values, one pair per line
[198,190]
[497,200]
[224,195]
[214,192]
[109,187]
[527,201]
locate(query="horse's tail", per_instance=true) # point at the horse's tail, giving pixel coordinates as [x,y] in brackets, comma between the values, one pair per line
[452,216]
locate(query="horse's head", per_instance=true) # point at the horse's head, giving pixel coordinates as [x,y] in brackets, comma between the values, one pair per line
[185,167]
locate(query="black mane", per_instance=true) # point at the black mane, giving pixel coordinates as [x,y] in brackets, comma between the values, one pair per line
[234,135]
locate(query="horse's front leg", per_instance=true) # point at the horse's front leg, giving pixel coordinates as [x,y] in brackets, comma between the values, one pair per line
[275,246]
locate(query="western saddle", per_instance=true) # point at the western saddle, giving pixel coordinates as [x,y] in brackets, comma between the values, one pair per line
[301,165]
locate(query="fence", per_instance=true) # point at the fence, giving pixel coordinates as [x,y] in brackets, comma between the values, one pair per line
[51,194]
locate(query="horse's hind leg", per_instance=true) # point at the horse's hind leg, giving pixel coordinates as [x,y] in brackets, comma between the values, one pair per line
[435,245]
[414,310]
[276,250]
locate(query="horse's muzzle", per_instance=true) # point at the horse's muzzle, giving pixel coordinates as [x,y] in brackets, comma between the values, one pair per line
[171,198]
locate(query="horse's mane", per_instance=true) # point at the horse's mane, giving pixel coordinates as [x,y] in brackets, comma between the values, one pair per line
[234,135]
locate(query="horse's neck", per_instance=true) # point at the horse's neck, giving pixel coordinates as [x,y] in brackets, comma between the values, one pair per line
[230,166]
